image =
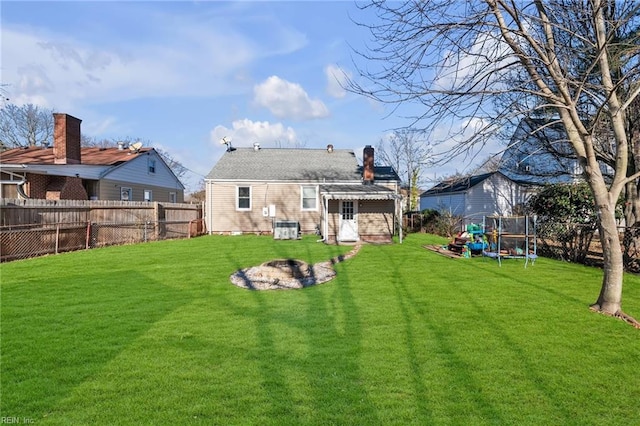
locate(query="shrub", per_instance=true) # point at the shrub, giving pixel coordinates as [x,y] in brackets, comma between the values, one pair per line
[566,220]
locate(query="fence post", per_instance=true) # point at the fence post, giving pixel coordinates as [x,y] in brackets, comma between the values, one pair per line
[57,237]
[88,237]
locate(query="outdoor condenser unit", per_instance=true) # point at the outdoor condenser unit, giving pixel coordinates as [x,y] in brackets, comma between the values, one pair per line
[286,230]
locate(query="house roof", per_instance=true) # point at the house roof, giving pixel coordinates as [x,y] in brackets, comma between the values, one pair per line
[357,192]
[385,173]
[90,156]
[539,153]
[460,185]
[293,164]
[451,186]
[96,162]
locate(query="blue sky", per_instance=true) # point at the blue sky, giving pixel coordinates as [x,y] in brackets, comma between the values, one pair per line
[181,75]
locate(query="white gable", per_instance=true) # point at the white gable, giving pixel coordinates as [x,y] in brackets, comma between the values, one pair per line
[494,195]
[147,168]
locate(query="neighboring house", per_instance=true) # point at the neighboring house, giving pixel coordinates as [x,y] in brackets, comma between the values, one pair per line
[68,171]
[325,191]
[539,153]
[477,196]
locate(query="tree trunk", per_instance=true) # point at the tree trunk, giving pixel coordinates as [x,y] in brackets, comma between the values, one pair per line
[610,298]
[631,240]
[632,200]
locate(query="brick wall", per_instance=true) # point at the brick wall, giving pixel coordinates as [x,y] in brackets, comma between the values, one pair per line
[368,164]
[73,190]
[66,139]
[55,187]
[37,185]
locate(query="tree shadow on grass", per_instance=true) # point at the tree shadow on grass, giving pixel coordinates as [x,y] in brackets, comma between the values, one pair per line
[528,368]
[461,383]
[308,362]
[58,334]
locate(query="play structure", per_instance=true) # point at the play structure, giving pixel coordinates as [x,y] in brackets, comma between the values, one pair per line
[497,237]
[511,237]
[472,241]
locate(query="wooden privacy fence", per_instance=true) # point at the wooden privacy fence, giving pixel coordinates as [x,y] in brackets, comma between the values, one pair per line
[31,228]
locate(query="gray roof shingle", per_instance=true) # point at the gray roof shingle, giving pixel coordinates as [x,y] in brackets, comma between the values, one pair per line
[291,164]
[462,184]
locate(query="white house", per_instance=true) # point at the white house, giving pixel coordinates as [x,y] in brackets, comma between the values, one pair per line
[474,197]
[539,153]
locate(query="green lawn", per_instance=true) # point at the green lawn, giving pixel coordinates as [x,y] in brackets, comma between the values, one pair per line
[156,334]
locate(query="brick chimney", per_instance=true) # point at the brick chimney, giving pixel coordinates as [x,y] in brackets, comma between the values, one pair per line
[367,162]
[66,139]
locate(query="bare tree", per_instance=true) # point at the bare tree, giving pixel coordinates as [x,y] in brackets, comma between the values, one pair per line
[176,166]
[24,126]
[489,164]
[632,190]
[406,152]
[578,59]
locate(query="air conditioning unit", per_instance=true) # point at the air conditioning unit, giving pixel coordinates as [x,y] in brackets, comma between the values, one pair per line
[286,230]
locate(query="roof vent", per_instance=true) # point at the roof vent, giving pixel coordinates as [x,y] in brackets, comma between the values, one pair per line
[256,146]
[329,148]
[120,146]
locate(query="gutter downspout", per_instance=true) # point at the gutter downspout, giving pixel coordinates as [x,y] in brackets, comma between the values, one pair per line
[399,216]
[20,183]
[325,209]
[19,188]
[208,207]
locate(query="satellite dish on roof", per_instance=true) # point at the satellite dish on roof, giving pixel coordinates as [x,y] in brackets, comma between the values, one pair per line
[135,147]
[226,141]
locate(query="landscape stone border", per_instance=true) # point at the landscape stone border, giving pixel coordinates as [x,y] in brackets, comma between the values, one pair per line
[269,277]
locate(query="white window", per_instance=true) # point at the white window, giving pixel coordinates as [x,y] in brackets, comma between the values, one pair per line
[148,195]
[309,197]
[525,166]
[243,198]
[126,194]
[173,197]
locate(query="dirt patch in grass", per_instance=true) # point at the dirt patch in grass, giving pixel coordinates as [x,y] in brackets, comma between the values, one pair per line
[287,274]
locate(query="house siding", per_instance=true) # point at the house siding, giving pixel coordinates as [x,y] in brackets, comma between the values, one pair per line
[375,220]
[286,197]
[487,198]
[109,189]
[495,195]
[136,170]
[451,203]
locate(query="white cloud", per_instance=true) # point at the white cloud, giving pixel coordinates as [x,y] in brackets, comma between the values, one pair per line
[336,80]
[244,133]
[288,100]
[66,71]
[204,54]
[485,59]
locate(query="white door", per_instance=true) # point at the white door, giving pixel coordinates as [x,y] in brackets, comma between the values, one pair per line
[348,221]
